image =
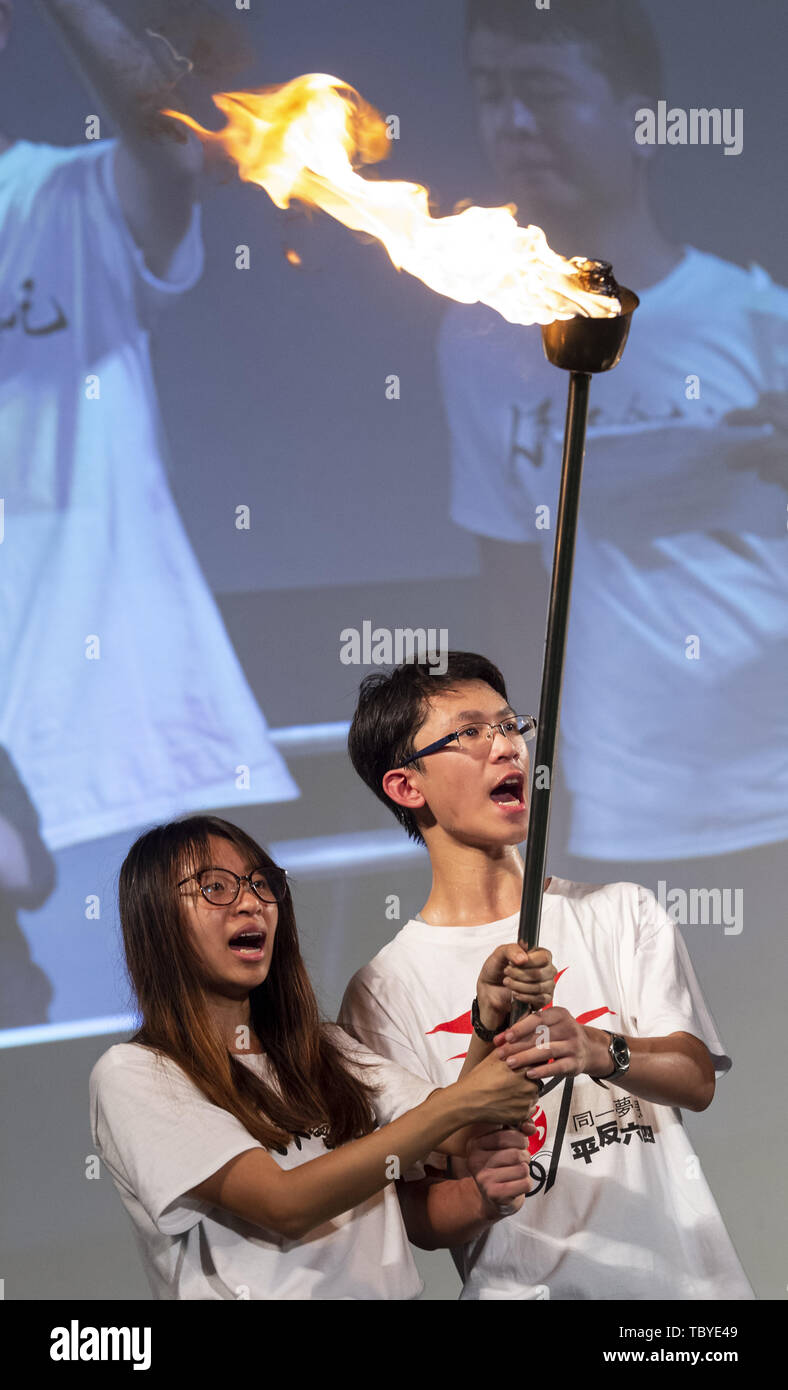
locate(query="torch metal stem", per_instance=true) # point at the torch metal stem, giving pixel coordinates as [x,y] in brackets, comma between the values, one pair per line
[555,647]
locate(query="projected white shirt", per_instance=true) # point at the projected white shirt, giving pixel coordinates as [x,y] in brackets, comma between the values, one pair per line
[620,1208]
[121,698]
[160,1136]
[674,718]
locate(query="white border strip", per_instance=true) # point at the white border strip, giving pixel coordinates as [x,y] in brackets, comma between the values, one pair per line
[361,850]
[62,1032]
[295,739]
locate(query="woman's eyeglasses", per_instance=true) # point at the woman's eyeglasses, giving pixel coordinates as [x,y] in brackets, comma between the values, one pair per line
[221,886]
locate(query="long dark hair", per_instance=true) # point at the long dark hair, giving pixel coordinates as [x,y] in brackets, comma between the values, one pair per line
[310,1083]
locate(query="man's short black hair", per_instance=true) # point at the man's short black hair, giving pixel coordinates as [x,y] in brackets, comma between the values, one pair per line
[618,33]
[392,706]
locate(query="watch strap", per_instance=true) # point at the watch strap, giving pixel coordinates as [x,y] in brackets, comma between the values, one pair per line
[486,1034]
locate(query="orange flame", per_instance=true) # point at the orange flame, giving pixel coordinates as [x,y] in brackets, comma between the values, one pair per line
[302,139]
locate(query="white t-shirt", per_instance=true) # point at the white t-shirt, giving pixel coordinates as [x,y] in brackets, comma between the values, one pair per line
[620,1208]
[671,748]
[159,1136]
[121,698]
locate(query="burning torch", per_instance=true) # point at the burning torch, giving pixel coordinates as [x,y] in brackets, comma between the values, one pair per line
[581,346]
[303,140]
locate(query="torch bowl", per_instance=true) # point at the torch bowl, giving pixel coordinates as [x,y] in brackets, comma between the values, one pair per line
[589,345]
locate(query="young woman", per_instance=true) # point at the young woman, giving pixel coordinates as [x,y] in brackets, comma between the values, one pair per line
[241,1131]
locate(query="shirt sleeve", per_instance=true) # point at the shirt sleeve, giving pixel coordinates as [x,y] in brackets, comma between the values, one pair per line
[159,1135]
[397,1090]
[365,1019]
[662,990]
[364,1016]
[80,184]
[186,267]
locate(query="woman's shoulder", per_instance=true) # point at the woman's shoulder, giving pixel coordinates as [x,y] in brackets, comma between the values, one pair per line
[127,1061]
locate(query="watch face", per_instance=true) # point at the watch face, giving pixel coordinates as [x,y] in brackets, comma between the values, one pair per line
[620,1052]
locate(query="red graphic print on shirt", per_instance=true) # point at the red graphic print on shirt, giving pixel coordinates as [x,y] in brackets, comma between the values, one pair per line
[462,1024]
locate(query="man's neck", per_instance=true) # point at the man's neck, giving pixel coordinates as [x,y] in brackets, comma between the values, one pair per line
[472,886]
[640,254]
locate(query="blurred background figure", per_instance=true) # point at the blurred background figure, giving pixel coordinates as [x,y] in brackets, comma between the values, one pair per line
[27,877]
[121,696]
[674,721]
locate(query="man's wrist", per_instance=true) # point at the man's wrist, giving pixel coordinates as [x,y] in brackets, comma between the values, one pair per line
[447,1106]
[490,1018]
[493,1212]
[490,1211]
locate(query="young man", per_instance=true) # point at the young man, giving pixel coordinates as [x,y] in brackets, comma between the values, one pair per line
[619,1207]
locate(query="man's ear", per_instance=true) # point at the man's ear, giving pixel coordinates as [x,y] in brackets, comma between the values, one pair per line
[632,108]
[399,787]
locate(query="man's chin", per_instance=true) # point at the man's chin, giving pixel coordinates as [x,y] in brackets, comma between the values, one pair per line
[542,198]
[511,830]
[516,836]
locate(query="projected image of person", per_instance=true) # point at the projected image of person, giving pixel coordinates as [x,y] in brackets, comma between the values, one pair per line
[674,721]
[241,1131]
[121,697]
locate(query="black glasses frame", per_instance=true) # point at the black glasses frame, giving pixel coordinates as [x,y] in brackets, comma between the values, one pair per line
[529,721]
[239,879]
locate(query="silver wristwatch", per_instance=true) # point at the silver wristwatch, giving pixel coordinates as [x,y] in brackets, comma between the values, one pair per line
[619,1054]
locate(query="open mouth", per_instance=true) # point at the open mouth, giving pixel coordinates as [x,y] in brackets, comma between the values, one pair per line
[509,792]
[248,943]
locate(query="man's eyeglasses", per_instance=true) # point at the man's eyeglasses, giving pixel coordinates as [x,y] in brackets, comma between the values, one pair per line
[221,887]
[476,738]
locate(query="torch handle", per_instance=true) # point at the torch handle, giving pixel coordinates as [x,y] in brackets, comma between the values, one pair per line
[552,671]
